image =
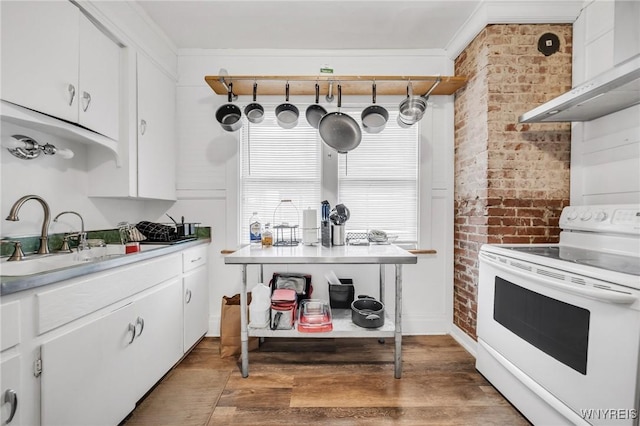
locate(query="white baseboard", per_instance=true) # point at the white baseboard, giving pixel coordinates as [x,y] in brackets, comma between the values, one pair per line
[464,339]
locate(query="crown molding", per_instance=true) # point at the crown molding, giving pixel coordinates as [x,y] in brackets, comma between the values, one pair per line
[512,12]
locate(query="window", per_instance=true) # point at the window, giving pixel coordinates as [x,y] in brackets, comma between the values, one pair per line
[378,181]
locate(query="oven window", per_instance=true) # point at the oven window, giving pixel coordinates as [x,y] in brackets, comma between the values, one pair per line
[557,328]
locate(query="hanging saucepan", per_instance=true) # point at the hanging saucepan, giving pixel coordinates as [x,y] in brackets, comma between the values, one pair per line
[339,130]
[254,111]
[412,109]
[228,115]
[315,112]
[374,117]
[287,114]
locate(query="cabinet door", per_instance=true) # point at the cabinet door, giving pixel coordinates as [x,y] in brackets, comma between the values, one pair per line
[99,80]
[10,391]
[158,343]
[196,305]
[156,132]
[40,56]
[88,373]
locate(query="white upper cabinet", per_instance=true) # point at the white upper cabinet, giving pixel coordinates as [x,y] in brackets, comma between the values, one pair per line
[99,83]
[156,132]
[55,61]
[40,56]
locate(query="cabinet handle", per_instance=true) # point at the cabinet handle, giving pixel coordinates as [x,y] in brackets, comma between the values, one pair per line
[132,330]
[72,93]
[86,97]
[195,260]
[11,398]
[188,296]
[140,322]
[143,127]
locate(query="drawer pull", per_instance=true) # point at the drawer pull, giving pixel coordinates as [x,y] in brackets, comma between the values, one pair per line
[72,93]
[11,398]
[196,259]
[140,322]
[132,330]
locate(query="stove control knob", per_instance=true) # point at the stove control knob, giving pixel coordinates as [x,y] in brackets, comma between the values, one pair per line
[573,215]
[601,216]
[585,216]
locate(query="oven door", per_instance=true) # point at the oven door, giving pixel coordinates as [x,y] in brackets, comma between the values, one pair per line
[575,340]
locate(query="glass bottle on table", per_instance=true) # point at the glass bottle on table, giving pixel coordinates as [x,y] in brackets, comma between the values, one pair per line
[267,236]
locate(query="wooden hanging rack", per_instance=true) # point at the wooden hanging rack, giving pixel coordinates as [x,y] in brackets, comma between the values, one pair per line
[351,84]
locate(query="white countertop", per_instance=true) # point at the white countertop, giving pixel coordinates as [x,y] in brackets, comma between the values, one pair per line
[303,254]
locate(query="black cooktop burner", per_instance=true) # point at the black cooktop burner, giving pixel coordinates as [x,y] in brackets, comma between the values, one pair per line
[611,262]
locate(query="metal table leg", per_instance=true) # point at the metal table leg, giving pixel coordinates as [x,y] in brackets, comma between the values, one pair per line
[244,332]
[398,331]
[382,291]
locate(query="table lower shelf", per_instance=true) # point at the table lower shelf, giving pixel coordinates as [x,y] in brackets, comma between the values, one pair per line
[342,327]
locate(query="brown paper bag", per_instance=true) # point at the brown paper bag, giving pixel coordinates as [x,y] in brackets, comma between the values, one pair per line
[230,326]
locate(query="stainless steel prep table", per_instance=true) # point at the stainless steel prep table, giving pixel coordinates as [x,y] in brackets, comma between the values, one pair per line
[342,325]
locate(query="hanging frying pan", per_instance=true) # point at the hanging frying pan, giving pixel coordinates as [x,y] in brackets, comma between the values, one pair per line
[339,130]
[228,115]
[374,117]
[287,114]
[315,112]
[254,111]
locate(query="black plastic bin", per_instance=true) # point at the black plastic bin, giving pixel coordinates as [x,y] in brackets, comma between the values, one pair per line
[341,295]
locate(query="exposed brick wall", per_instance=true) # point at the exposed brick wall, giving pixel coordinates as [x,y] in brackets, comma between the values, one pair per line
[511,179]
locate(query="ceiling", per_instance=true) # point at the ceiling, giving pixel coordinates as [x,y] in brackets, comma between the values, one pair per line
[310,24]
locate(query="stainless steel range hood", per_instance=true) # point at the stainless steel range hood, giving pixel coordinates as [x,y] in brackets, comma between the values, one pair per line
[611,91]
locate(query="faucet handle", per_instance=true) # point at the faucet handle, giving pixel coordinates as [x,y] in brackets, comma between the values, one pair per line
[18,254]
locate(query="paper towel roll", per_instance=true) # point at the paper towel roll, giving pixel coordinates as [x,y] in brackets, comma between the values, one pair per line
[309,226]
[309,218]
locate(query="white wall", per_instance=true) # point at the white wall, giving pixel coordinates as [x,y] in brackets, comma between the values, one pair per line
[605,153]
[208,171]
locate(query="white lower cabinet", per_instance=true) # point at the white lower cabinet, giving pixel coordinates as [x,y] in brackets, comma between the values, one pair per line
[195,291]
[196,305]
[10,390]
[94,375]
[84,351]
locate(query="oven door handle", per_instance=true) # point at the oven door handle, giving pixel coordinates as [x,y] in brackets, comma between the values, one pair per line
[602,295]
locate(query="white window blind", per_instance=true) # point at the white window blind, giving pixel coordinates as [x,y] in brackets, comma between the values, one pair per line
[378,181]
[277,164]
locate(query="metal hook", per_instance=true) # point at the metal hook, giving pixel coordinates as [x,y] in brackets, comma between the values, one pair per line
[329,96]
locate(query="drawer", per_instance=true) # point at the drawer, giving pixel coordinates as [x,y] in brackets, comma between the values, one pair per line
[85,295]
[10,325]
[194,257]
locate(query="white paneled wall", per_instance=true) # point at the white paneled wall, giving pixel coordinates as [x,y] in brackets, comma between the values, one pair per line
[605,153]
[208,172]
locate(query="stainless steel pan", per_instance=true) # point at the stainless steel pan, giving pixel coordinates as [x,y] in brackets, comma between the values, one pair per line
[315,112]
[228,115]
[339,130]
[374,117]
[287,114]
[411,110]
[254,111]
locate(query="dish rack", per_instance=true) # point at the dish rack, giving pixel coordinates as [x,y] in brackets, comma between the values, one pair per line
[364,238]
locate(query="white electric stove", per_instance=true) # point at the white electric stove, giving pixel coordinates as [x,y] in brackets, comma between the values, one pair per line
[559,324]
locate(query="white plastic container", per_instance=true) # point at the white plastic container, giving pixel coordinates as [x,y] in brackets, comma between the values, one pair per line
[260,307]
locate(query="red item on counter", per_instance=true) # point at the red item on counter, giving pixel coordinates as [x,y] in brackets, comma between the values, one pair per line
[132,247]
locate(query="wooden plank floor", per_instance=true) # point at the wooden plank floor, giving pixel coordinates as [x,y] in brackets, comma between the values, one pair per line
[328,382]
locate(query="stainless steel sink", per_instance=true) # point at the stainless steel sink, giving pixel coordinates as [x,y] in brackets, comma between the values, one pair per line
[37,264]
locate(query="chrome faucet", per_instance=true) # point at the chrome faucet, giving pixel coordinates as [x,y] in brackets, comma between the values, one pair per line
[44,237]
[81,237]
